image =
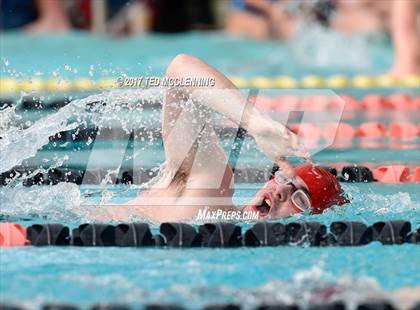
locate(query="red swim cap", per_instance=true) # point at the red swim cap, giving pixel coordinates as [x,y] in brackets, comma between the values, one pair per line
[323,186]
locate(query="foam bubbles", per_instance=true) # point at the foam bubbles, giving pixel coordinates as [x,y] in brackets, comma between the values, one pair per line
[59,202]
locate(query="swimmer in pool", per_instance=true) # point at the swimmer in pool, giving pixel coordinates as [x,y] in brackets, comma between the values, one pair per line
[197,175]
[279,19]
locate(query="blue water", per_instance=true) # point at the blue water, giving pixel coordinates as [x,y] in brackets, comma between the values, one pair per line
[198,276]
[194,277]
[370,202]
[82,55]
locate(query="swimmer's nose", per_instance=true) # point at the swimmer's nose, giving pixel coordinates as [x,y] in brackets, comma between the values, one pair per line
[281,193]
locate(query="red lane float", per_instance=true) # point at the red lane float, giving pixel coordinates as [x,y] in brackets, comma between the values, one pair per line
[310,133]
[401,135]
[12,235]
[402,131]
[340,131]
[392,174]
[377,102]
[416,103]
[371,130]
[416,176]
[368,131]
[396,173]
[315,103]
[350,104]
[372,103]
[286,103]
[342,134]
[401,102]
[263,103]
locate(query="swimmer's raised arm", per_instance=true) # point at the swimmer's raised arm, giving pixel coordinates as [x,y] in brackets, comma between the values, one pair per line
[234,106]
[275,140]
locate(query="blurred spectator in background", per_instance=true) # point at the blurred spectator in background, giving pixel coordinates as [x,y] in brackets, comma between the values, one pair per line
[264,19]
[181,15]
[117,17]
[34,15]
[170,16]
[260,19]
[52,16]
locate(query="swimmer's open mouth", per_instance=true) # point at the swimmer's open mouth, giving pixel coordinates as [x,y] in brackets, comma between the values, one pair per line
[263,207]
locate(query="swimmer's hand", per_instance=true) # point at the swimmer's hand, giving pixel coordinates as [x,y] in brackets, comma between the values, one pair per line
[278,142]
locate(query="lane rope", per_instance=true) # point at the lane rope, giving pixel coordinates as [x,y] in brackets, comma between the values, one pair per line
[12,85]
[372,104]
[215,234]
[324,305]
[345,172]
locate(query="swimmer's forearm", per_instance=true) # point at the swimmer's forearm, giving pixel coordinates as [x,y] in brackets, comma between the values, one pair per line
[272,137]
[223,98]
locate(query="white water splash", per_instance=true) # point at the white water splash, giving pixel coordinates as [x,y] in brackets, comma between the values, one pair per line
[18,144]
[60,202]
[5,61]
[7,119]
[306,287]
[398,203]
[337,50]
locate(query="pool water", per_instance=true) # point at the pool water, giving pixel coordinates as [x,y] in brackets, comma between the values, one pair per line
[72,56]
[195,277]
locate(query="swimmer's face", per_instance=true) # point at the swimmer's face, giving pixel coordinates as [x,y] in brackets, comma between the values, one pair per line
[274,200]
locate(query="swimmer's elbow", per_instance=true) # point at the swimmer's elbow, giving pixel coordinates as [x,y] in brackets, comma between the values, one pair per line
[184,60]
[180,62]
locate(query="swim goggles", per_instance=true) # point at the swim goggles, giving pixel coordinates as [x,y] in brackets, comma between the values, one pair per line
[300,198]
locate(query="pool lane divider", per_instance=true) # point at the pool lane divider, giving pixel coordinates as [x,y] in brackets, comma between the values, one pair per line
[371,104]
[373,304]
[367,135]
[347,173]
[13,234]
[372,130]
[180,235]
[343,134]
[11,85]
[382,174]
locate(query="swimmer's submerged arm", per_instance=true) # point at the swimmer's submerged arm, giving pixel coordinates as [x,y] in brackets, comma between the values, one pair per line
[105,213]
